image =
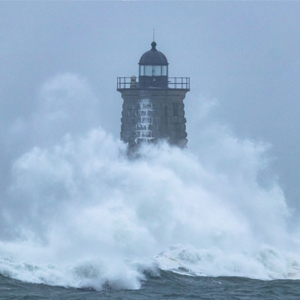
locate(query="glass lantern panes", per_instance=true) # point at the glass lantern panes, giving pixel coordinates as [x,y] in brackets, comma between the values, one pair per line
[153,70]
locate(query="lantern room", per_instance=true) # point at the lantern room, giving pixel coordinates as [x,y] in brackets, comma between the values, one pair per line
[153,69]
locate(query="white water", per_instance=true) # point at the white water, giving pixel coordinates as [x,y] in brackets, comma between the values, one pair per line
[143,131]
[79,213]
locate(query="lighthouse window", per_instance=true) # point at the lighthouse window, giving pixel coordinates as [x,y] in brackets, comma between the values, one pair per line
[148,71]
[142,70]
[153,70]
[156,71]
[164,71]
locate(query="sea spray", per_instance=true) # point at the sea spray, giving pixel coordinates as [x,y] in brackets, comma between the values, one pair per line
[77,212]
[84,209]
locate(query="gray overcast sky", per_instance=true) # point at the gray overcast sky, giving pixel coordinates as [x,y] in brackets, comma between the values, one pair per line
[246,55]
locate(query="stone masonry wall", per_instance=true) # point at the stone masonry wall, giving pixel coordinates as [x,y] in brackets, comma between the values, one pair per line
[165,118]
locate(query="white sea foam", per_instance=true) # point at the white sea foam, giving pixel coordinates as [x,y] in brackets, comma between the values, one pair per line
[79,213]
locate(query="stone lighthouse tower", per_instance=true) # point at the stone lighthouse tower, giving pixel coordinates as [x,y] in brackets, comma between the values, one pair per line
[153,106]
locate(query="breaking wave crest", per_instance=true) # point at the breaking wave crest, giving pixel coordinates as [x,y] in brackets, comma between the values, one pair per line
[81,214]
[84,215]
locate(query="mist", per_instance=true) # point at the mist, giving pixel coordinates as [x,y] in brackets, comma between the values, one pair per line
[243,54]
[76,212]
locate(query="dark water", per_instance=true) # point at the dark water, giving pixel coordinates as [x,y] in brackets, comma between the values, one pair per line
[166,286]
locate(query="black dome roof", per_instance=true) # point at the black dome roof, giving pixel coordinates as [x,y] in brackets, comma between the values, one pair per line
[153,57]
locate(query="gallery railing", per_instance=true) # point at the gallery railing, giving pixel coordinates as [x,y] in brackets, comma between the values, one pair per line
[182,83]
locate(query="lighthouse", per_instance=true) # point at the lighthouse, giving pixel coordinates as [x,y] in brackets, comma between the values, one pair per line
[153,107]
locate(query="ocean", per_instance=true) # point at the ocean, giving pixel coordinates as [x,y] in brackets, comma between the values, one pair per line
[81,220]
[166,285]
